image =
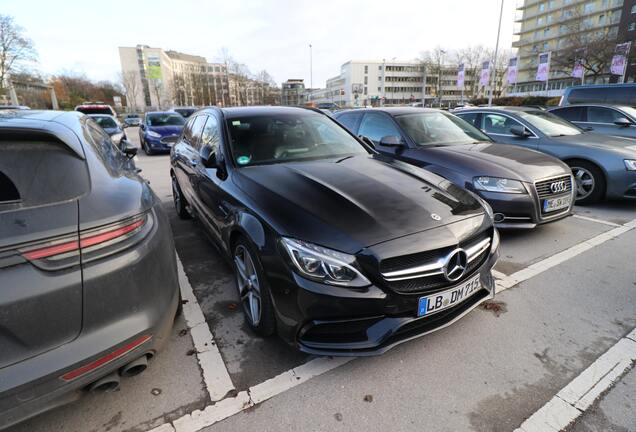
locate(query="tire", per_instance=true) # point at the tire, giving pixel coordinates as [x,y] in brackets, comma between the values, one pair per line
[264,323]
[180,202]
[146,147]
[589,180]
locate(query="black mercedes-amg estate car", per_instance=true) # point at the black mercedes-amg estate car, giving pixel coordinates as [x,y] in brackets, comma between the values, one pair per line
[337,248]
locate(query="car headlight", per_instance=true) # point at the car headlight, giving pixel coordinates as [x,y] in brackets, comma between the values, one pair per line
[496,184]
[154,134]
[630,164]
[116,138]
[324,265]
[495,241]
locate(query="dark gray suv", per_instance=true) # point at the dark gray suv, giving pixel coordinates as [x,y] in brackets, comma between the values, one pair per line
[88,280]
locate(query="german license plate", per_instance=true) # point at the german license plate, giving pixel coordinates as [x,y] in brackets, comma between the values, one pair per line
[554,204]
[446,299]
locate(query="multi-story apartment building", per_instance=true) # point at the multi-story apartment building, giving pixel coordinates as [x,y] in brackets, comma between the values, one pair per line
[377,82]
[161,79]
[626,33]
[293,92]
[551,26]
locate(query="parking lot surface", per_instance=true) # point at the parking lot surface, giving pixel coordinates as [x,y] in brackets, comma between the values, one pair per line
[568,295]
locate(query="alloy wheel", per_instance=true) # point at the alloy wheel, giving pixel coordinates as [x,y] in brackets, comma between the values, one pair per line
[248,284]
[584,182]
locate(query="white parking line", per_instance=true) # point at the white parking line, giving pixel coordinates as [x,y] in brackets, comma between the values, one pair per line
[581,392]
[600,221]
[215,375]
[559,258]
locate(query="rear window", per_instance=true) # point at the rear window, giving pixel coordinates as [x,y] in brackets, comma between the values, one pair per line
[105,122]
[165,120]
[97,109]
[609,95]
[38,170]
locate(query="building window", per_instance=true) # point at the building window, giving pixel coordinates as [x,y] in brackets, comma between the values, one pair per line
[366,80]
[379,89]
[540,21]
[601,19]
[541,7]
[366,69]
[365,89]
[589,7]
[631,27]
[379,67]
[546,31]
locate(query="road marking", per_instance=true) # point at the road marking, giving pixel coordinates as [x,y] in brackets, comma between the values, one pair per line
[211,414]
[582,391]
[215,375]
[600,221]
[541,266]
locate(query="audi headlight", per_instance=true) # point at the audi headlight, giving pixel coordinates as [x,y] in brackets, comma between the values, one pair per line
[154,134]
[630,164]
[324,265]
[496,184]
[116,138]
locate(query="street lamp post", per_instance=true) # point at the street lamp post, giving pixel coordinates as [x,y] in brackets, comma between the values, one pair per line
[311,72]
[439,76]
[494,61]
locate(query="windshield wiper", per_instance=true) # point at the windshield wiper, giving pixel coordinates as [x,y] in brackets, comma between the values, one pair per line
[344,158]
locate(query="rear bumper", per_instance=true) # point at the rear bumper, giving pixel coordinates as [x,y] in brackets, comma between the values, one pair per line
[128,295]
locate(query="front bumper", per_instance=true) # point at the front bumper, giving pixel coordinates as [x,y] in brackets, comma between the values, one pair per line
[348,322]
[523,211]
[621,184]
[155,144]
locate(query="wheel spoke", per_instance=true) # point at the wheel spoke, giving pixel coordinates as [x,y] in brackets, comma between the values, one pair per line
[240,267]
[254,308]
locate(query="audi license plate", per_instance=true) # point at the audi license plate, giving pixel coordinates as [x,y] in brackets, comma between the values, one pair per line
[554,204]
[446,299]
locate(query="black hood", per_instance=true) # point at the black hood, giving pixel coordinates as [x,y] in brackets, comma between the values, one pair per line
[495,160]
[354,203]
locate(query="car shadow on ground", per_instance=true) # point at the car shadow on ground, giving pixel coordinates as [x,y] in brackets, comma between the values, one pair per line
[249,358]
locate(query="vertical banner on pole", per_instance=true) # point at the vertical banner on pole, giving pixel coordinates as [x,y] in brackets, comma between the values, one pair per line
[512,70]
[619,61]
[484,78]
[460,75]
[543,68]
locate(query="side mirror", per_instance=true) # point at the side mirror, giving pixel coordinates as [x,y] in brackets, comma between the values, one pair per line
[208,157]
[129,150]
[623,122]
[367,141]
[520,131]
[142,126]
[392,141]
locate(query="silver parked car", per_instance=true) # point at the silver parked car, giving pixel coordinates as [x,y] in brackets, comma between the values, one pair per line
[617,120]
[603,166]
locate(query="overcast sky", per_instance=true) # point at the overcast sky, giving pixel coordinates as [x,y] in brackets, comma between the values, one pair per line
[83,36]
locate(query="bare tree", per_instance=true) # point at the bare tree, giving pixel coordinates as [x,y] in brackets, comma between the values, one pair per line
[16,50]
[498,69]
[582,36]
[473,58]
[433,62]
[131,86]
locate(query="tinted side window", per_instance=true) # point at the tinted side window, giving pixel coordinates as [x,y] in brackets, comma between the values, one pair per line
[349,121]
[602,115]
[38,170]
[570,113]
[376,126]
[187,130]
[197,128]
[470,118]
[211,134]
[588,95]
[103,146]
[498,124]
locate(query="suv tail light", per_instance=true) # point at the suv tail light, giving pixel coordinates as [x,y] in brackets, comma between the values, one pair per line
[94,243]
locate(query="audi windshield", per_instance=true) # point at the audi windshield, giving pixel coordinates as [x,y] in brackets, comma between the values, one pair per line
[436,128]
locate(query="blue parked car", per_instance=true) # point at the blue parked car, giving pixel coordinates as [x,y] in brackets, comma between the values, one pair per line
[156,127]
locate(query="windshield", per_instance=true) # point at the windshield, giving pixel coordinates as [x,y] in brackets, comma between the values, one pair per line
[105,122]
[165,120]
[549,123]
[280,138]
[436,128]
